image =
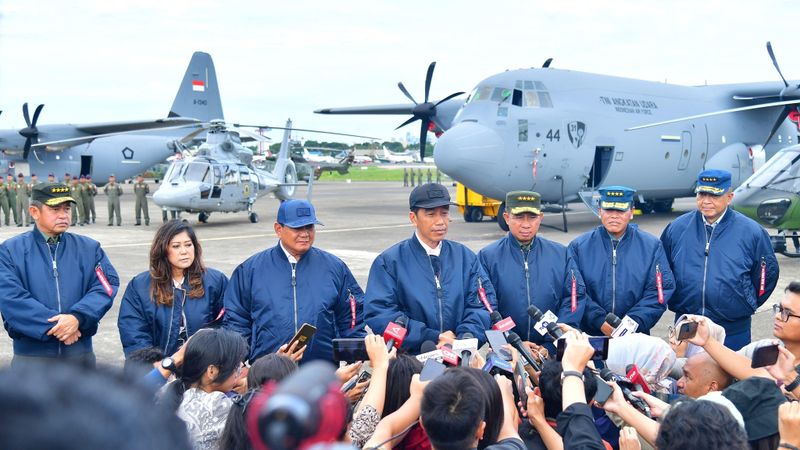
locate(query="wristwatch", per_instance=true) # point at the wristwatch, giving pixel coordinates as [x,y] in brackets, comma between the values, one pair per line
[168,364]
[793,385]
[571,373]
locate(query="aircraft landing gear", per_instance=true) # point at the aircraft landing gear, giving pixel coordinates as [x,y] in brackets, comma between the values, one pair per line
[655,206]
[203,217]
[253,217]
[779,243]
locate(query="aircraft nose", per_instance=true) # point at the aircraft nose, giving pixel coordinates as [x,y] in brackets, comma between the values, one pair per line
[466,149]
[764,205]
[175,196]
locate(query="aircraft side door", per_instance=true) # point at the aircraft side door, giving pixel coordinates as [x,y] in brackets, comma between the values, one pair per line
[217,191]
[686,150]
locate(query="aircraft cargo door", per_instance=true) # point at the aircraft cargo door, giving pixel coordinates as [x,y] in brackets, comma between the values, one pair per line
[686,150]
[603,156]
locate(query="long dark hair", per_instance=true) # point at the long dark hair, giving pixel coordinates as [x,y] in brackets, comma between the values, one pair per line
[398,380]
[221,348]
[493,407]
[270,367]
[161,270]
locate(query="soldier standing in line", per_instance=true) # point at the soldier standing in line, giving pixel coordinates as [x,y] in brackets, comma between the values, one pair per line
[405,177]
[141,189]
[78,213]
[11,186]
[428,176]
[51,178]
[84,200]
[419,177]
[92,194]
[4,200]
[438,177]
[113,191]
[23,194]
[413,177]
[34,182]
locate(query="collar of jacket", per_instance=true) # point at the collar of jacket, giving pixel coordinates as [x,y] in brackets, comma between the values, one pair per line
[518,246]
[631,230]
[40,237]
[421,251]
[726,219]
[282,255]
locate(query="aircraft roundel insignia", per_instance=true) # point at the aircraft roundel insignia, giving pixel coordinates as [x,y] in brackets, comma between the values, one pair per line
[246,189]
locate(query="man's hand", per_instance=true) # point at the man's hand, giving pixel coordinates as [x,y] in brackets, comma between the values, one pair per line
[703,331]
[535,407]
[292,352]
[73,338]
[657,406]
[446,338]
[65,327]
[344,374]
[616,401]
[376,349]
[789,423]
[477,361]
[577,353]
[629,439]
[783,369]
[358,390]
[538,351]
[606,329]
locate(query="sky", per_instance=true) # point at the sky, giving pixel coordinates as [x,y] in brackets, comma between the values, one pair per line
[99,60]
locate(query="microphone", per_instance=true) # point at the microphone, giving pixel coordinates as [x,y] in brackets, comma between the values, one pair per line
[500,324]
[428,351]
[621,326]
[466,354]
[395,332]
[449,357]
[623,384]
[516,342]
[552,327]
[497,365]
[636,377]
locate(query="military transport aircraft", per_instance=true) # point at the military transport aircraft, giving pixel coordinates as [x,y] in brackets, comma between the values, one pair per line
[102,149]
[562,133]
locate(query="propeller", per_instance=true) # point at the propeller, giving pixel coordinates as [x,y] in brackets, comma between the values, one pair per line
[425,111]
[30,132]
[789,92]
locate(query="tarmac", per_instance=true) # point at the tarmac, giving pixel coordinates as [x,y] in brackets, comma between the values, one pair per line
[361,220]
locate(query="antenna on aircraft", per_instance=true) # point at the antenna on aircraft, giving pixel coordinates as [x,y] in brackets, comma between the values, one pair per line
[426,111]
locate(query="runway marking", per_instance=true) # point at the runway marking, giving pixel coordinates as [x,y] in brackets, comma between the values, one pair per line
[251,236]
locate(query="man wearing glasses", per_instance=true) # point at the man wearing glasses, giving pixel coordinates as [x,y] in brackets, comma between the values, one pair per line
[723,261]
[273,293]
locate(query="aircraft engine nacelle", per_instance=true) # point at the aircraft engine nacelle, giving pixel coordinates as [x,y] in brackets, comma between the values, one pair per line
[734,158]
[289,177]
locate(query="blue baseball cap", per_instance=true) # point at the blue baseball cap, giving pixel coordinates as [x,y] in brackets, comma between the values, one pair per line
[616,197]
[713,181]
[297,213]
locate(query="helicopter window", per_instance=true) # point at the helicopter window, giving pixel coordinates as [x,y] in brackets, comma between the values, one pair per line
[516,98]
[781,171]
[231,175]
[196,172]
[175,172]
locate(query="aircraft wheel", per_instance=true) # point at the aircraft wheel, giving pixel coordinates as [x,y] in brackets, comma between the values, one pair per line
[663,206]
[253,217]
[475,214]
[501,221]
[202,217]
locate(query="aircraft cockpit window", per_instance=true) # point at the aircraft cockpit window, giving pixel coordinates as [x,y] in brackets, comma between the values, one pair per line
[481,93]
[529,84]
[197,172]
[540,86]
[175,172]
[782,172]
[244,173]
[231,175]
[544,100]
[500,94]
[516,98]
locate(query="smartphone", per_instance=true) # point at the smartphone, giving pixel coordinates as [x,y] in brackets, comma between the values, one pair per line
[497,340]
[302,336]
[687,331]
[603,391]
[431,369]
[599,343]
[766,355]
[350,349]
[520,379]
[363,376]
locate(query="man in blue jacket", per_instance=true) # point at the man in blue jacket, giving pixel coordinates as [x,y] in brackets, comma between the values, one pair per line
[625,269]
[54,286]
[432,281]
[527,269]
[274,292]
[723,261]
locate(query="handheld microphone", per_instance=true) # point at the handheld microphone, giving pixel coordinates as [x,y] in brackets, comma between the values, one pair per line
[623,384]
[516,342]
[552,327]
[499,323]
[613,320]
[621,326]
[395,332]
[449,357]
[466,354]
[636,377]
[428,351]
[497,365]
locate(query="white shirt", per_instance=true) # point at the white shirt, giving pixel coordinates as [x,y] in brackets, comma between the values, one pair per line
[292,259]
[719,219]
[430,251]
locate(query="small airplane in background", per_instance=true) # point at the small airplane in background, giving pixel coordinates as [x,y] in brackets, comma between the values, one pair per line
[388,156]
[563,133]
[123,148]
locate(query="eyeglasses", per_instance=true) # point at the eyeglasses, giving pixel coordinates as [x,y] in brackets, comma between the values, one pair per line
[777,308]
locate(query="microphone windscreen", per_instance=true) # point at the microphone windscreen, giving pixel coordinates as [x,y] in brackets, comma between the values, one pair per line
[427,346]
[534,313]
[613,320]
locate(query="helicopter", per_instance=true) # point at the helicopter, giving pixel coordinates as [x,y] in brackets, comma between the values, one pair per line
[221,177]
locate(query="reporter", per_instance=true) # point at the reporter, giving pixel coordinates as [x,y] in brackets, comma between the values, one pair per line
[163,306]
[369,411]
[699,424]
[493,406]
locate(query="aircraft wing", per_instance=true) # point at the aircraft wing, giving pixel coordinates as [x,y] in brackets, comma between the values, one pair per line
[407,108]
[108,128]
[71,142]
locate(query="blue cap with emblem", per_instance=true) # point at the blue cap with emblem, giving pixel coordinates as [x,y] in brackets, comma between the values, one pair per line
[616,197]
[428,196]
[297,213]
[713,181]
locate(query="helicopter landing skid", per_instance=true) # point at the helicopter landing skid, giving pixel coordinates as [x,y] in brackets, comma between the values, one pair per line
[779,243]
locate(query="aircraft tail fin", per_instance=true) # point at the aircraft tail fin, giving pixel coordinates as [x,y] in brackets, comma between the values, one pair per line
[198,95]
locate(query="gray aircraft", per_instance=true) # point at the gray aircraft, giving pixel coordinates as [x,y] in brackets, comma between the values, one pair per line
[121,148]
[563,133]
[220,177]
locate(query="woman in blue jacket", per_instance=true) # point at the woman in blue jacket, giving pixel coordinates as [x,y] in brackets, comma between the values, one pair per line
[177,297]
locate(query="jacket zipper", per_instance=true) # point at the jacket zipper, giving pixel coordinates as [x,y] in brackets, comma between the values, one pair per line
[58,286]
[294,293]
[705,270]
[527,287]
[613,276]
[438,294]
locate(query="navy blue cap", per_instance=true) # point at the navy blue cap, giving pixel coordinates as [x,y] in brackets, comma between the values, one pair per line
[429,196]
[297,213]
[616,197]
[713,181]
